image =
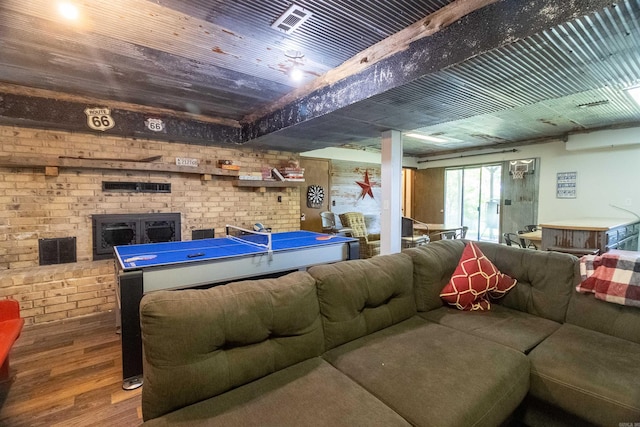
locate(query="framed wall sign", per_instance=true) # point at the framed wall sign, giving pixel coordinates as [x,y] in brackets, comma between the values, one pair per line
[566,183]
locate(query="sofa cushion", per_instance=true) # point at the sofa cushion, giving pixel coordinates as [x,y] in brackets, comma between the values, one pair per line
[474,280]
[223,337]
[513,328]
[546,280]
[589,374]
[436,376]
[362,296]
[612,319]
[309,393]
[433,265]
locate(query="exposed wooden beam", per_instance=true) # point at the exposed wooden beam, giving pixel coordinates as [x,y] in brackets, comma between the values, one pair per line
[393,44]
[418,51]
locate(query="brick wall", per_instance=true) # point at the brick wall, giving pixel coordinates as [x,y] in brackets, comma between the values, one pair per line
[35,206]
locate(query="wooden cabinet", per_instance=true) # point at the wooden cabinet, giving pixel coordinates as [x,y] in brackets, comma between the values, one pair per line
[591,233]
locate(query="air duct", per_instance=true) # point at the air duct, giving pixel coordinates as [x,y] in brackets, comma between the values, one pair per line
[603,139]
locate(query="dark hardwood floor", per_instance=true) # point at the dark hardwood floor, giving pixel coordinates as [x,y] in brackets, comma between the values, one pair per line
[68,374]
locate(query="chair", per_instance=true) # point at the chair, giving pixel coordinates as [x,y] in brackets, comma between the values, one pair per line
[525,243]
[457,233]
[329,224]
[369,243]
[512,239]
[409,238]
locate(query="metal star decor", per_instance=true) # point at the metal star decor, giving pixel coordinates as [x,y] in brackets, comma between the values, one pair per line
[366,186]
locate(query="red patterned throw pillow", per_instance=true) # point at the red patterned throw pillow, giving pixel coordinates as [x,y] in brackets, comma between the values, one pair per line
[474,281]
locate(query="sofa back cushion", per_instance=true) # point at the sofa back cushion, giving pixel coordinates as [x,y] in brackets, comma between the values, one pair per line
[546,280]
[606,317]
[363,296]
[201,343]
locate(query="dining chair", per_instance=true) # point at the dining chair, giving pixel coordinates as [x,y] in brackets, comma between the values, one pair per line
[461,233]
[511,239]
[525,243]
[409,238]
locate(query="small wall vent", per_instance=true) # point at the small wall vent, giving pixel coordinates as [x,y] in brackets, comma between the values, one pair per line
[291,19]
[137,187]
[207,233]
[57,251]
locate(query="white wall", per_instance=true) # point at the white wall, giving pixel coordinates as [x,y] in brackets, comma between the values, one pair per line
[608,176]
[605,177]
[359,156]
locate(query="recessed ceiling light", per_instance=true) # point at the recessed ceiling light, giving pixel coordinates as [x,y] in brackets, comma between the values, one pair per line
[296,74]
[425,137]
[635,94]
[68,10]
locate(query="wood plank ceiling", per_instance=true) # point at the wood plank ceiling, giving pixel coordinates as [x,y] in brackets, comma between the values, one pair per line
[511,72]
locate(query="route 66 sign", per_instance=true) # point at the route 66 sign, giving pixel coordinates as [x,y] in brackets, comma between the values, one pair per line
[155,125]
[99,118]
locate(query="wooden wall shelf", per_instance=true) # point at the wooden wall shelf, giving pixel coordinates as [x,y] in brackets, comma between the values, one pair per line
[51,165]
[258,184]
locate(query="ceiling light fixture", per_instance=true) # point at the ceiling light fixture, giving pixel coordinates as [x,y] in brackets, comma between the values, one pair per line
[635,93]
[296,74]
[293,54]
[594,104]
[425,137]
[68,11]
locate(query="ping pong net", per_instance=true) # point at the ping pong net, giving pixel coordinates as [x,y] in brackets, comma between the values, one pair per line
[255,238]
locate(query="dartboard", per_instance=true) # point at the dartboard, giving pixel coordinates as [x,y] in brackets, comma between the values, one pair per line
[315,196]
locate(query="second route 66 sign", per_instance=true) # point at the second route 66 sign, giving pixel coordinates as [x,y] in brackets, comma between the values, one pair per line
[99,118]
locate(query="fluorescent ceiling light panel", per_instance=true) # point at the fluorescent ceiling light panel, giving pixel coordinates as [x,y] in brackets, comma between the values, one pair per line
[635,93]
[425,137]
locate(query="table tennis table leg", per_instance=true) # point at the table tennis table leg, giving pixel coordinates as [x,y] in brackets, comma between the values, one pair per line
[131,291]
[354,250]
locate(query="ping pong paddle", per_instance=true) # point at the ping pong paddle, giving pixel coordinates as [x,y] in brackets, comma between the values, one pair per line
[327,237]
[140,258]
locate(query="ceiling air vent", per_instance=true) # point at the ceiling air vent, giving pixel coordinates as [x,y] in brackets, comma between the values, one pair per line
[291,19]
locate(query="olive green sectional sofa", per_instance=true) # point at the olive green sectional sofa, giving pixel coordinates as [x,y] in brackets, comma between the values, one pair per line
[370,343]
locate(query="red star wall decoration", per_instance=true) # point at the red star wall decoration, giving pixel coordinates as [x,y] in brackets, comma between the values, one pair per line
[366,186]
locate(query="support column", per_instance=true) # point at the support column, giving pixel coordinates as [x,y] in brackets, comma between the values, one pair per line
[390,221]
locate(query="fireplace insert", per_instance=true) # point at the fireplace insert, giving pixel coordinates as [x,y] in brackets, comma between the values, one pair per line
[130,229]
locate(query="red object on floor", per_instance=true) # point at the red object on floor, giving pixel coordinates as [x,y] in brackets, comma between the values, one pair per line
[10,327]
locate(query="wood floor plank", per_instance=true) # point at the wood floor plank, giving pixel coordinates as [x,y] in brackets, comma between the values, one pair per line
[69,373]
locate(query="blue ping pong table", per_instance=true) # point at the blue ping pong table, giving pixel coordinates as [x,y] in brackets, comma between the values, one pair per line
[177,265]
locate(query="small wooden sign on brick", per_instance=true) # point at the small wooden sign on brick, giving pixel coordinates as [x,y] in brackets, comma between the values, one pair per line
[185,161]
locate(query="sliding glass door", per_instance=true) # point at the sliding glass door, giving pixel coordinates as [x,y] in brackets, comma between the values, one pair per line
[472,199]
